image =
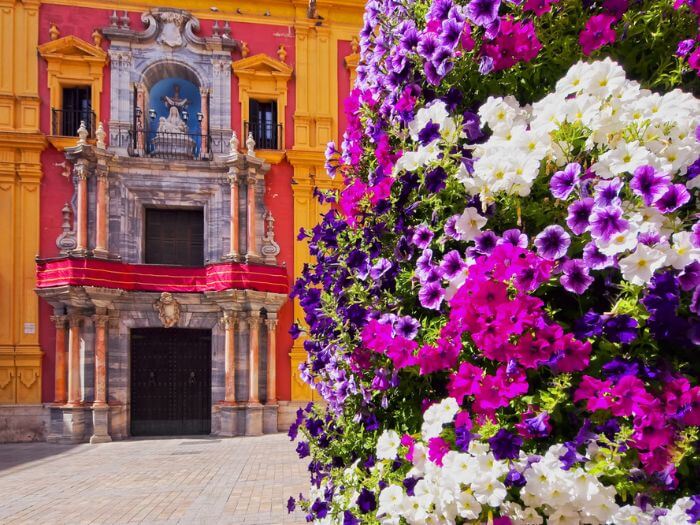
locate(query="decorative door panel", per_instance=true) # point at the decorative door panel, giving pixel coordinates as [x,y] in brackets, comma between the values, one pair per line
[170,381]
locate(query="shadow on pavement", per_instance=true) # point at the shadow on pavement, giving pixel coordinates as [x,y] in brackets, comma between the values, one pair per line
[13,455]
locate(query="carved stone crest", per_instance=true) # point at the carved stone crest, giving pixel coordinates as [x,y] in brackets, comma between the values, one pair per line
[168,309]
[171,33]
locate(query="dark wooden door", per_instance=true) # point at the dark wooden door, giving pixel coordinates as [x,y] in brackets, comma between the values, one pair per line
[170,381]
[175,237]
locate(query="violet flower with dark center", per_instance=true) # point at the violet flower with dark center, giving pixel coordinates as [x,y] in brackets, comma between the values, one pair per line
[620,329]
[607,193]
[563,182]
[422,236]
[350,519]
[483,12]
[685,47]
[486,242]
[675,196]
[606,222]
[429,133]
[594,259]
[579,215]
[590,325]
[435,179]
[505,445]
[452,264]
[649,184]
[515,478]
[431,296]
[451,33]
[553,242]
[514,237]
[575,278]
[427,45]
[407,327]
[366,501]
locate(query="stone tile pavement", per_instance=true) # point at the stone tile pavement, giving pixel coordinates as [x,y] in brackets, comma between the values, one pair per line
[152,481]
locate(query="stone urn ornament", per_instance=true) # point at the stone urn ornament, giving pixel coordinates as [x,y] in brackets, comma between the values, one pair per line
[250,144]
[100,134]
[168,310]
[234,143]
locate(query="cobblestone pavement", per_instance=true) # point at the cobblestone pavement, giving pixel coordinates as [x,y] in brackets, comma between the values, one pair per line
[159,481]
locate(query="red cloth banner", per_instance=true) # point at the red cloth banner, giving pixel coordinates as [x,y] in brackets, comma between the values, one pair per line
[159,278]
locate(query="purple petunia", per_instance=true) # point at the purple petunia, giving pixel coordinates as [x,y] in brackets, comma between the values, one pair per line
[486,242]
[595,259]
[606,222]
[563,182]
[483,12]
[685,47]
[673,198]
[422,236]
[407,327]
[452,264]
[505,445]
[553,242]
[620,329]
[431,295]
[514,237]
[579,215]
[607,192]
[429,133]
[366,501]
[575,277]
[649,184]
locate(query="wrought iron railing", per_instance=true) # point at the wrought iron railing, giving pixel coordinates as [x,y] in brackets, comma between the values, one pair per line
[65,122]
[267,135]
[168,145]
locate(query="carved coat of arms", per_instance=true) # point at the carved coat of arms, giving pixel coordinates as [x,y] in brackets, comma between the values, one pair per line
[168,309]
[171,32]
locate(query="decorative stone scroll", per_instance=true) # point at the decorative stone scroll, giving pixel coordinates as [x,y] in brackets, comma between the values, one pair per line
[168,309]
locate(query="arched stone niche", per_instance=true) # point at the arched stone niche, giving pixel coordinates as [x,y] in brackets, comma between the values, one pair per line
[167,48]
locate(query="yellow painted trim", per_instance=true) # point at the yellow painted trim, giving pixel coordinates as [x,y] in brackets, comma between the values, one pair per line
[271,156]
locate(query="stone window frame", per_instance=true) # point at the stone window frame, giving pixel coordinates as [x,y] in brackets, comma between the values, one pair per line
[72,62]
[265,79]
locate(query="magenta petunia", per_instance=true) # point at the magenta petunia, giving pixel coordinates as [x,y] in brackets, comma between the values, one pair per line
[597,33]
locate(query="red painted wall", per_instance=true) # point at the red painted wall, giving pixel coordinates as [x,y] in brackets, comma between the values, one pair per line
[56,189]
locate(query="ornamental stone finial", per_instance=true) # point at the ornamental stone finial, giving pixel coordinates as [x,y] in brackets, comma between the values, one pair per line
[54,33]
[101,135]
[82,134]
[250,143]
[234,143]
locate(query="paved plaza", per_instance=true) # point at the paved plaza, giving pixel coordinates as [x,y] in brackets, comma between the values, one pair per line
[175,480]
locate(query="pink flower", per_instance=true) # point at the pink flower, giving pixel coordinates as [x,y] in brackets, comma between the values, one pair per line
[692,416]
[694,59]
[376,336]
[597,33]
[539,7]
[465,382]
[651,431]
[437,448]
[595,392]
[467,40]
[350,199]
[400,351]
[629,397]
[572,354]
[408,441]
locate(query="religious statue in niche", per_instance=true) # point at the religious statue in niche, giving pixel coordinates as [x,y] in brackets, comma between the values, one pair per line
[172,135]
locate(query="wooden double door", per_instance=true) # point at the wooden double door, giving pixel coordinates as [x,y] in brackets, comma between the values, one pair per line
[170,381]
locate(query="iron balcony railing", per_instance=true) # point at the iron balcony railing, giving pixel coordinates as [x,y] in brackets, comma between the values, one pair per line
[65,122]
[267,135]
[168,145]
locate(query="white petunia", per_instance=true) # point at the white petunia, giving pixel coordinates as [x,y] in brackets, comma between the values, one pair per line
[388,445]
[639,267]
[391,500]
[625,158]
[469,224]
[618,243]
[682,252]
[632,515]
[436,416]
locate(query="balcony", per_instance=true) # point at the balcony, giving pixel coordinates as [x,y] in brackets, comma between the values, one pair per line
[267,135]
[65,124]
[167,145]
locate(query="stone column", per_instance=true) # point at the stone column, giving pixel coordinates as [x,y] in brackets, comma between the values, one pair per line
[234,179]
[229,321]
[74,321]
[271,360]
[254,361]
[60,366]
[204,124]
[102,195]
[101,320]
[82,234]
[251,253]
[141,119]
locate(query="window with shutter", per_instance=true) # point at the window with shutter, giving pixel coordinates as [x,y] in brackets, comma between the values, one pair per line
[174,236]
